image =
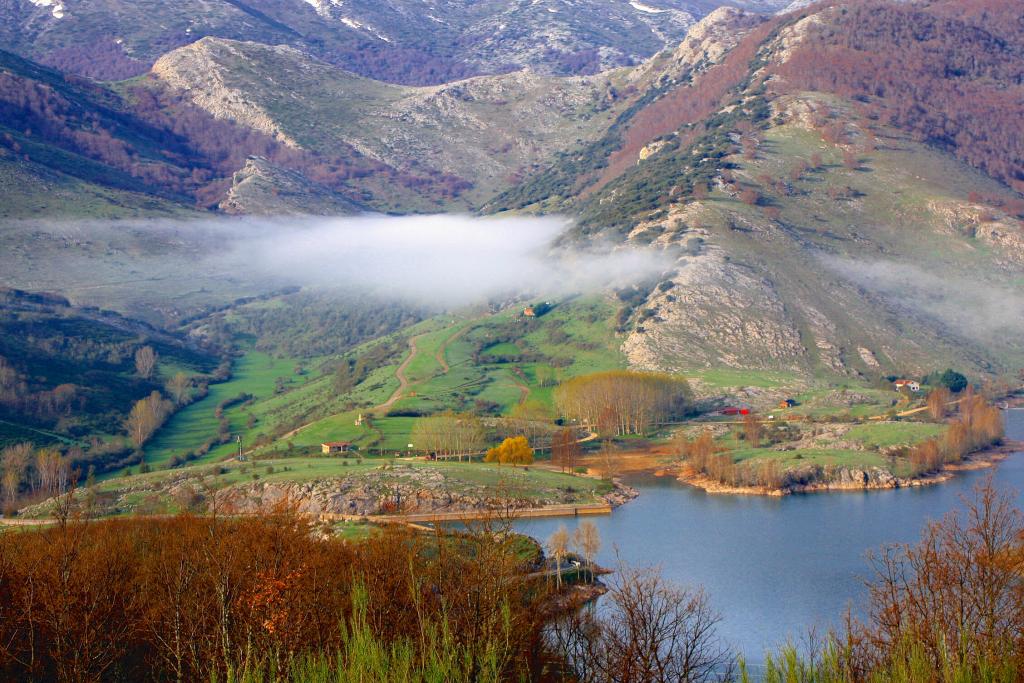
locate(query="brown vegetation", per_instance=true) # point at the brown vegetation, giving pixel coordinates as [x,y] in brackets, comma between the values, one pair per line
[194,598]
[948,72]
[649,631]
[449,434]
[565,449]
[938,399]
[627,402]
[978,426]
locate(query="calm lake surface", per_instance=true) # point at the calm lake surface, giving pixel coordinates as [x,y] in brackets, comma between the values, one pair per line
[774,567]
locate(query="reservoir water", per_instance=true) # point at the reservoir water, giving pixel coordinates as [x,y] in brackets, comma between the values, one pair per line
[775,567]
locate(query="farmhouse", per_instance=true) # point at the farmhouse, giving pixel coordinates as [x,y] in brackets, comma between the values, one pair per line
[907,383]
[329,447]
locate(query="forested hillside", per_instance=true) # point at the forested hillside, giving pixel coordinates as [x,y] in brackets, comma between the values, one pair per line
[72,377]
[950,73]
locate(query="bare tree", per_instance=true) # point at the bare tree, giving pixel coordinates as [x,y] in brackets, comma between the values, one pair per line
[587,541]
[145,362]
[180,387]
[558,546]
[14,460]
[146,417]
[51,471]
[650,631]
[753,429]
[565,449]
[960,584]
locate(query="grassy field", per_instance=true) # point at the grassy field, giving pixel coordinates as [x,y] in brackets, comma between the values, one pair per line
[457,366]
[723,378]
[256,374]
[886,434]
[813,456]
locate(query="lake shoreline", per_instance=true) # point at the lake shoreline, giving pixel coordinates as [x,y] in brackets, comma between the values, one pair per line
[983,459]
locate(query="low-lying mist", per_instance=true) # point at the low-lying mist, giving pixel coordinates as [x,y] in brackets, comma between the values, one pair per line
[437,261]
[974,308]
[443,259]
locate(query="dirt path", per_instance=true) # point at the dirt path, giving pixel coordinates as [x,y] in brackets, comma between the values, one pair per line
[913,411]
[439,356]
[403,381]
[519,379]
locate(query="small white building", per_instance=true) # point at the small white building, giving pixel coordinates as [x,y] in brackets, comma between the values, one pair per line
[908,384]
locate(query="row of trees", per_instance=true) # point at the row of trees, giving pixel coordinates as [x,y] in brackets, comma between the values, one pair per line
[621,402]
[147,416]
[978,425]
[42,472]
[458,435]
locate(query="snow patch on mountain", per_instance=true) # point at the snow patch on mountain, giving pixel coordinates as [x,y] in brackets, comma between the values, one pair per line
[57,5]
[640,7]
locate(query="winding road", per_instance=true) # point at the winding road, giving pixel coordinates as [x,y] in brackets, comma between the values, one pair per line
[403,381]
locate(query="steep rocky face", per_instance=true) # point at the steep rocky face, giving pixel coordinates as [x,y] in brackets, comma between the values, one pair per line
[263,189]
[712,313]
[704,44]
[197,71]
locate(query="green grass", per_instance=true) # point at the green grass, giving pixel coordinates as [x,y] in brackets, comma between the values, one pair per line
[502,349]
[886,434]
[591,346]
[730,378]
[255,373]
[812,456]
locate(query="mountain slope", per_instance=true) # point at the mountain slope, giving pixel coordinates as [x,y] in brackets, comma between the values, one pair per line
[67,374]
[486,129]
[402,41]
[143,139]
[819,227]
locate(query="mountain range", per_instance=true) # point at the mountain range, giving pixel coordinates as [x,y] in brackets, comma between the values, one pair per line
[839,183]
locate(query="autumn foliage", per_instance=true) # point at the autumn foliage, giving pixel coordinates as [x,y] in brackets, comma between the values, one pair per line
[514,450]
[948,72]
[977,425]
[622,401]
[193,598]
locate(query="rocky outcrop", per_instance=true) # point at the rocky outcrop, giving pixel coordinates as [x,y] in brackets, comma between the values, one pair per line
[260,188]
[485,129]
[398,489]
[715,313]
[197,69]
[984,223]
[705,44]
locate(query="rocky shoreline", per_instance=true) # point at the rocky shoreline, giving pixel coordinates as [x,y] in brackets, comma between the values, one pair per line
[874,478]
